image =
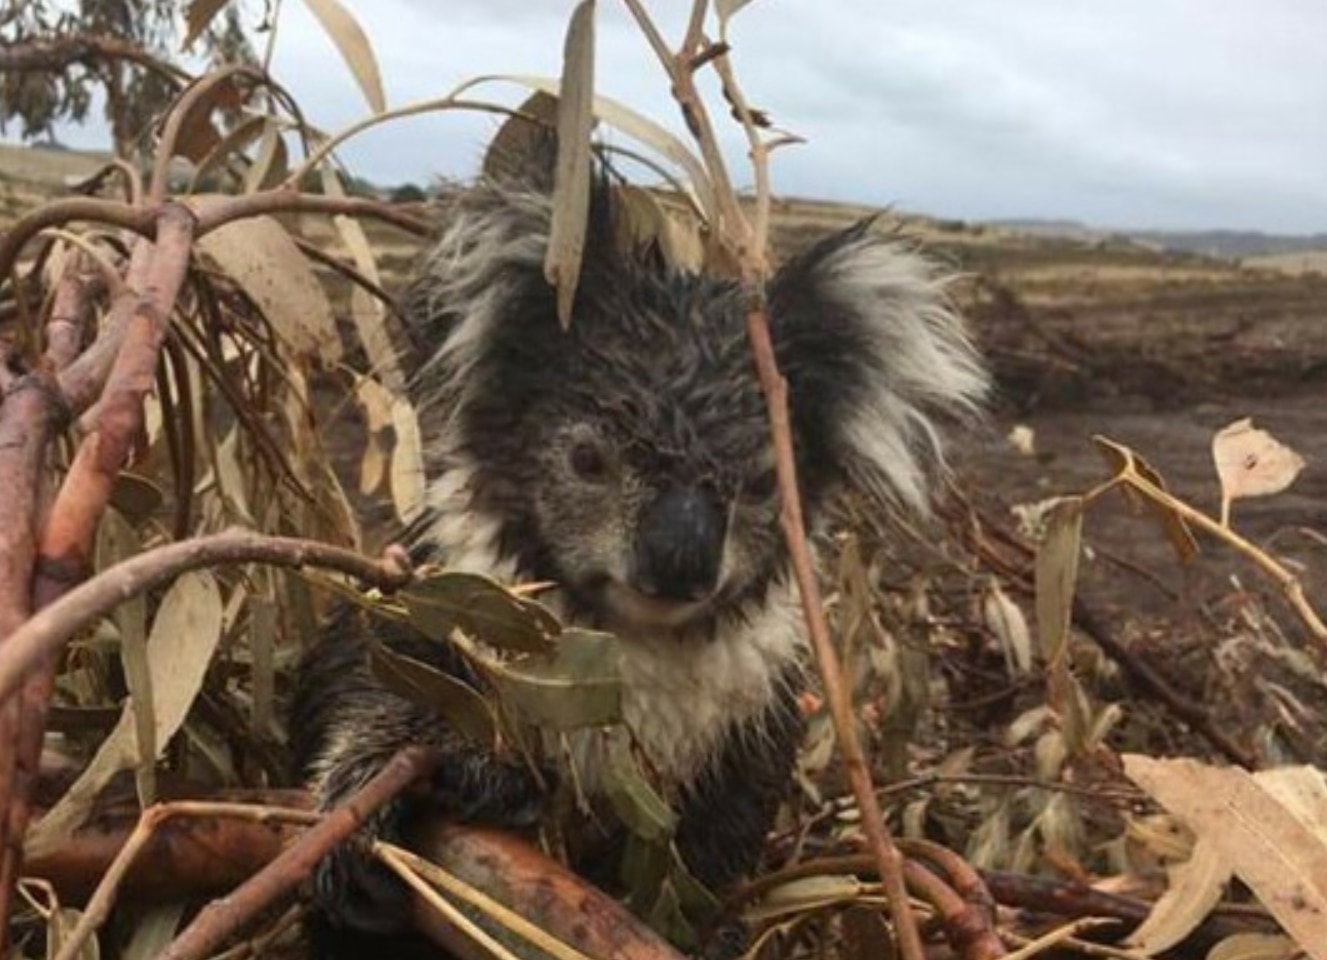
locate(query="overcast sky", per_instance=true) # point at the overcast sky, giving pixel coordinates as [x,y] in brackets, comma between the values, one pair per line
[1141,113]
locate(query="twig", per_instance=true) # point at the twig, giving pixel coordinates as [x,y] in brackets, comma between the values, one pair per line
[736,231]
[223,917]
[46,630]
[1289,583]
[400,860]
[394,859]
[218,213]
[103,899]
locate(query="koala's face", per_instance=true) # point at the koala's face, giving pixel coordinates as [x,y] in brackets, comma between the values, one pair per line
[646,458]
[629,458]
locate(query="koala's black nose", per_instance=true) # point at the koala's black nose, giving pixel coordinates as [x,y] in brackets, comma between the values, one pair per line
[680,546]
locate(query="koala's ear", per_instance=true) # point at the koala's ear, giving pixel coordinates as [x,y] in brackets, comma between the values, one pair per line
[876,359]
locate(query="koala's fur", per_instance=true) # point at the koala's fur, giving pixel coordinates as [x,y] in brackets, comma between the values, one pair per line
[628,460]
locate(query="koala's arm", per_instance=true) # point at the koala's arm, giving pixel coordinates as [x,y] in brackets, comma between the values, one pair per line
[345,726]
[725,818]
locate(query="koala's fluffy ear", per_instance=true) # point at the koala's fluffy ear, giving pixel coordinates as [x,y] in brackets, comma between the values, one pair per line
[876,358]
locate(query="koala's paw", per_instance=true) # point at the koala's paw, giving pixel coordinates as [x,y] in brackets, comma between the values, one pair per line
[477,787]
[355,890]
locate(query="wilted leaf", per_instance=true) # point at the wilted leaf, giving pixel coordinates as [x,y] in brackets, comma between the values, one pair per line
[1023,439]
[260,256]
[1124,461]
[60,925]
[635,125]
[806,893]
[641,220]
[1005,619]
[519,142]
[1255,946]
[407,467]
[197,16]
[482,608]
[184,636]
[1251,463]
[367,311]
[1195,887]
[137,497]
[1056,574]
[1283,861]
[153,931]
[571,177]
[636,803]
[462,705]
[355,48]
[270,165]
[726,10]
[580,685]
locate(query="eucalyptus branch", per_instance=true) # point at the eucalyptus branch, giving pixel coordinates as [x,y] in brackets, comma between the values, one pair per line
[151,820]
[139,220]
[78,609]
[222,917]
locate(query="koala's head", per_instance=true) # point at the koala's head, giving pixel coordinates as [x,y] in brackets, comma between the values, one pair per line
[629,457]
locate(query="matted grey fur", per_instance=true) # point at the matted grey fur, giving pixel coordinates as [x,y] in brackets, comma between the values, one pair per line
[628,460]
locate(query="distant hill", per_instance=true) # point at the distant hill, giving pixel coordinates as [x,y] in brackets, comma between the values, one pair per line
[1231,244]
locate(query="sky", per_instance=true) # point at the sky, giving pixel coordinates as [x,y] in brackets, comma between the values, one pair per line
[1174,114]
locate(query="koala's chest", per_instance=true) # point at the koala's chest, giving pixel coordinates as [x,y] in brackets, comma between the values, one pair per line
[684,701]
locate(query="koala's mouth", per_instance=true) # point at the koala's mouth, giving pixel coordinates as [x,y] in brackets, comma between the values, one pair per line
[626,606]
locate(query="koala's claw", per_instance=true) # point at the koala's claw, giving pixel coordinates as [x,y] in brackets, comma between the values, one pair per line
[479,788]
[359,892]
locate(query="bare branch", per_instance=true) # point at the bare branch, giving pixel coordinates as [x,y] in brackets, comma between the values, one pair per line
[81,606]
[223,917]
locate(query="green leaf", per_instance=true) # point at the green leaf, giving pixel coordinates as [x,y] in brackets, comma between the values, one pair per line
[637,804]
[482,608]
[461,704]
[579,685]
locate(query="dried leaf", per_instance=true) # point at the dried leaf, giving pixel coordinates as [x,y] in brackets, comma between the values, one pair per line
[368,312]
[355,48]
[1195,887]
[1056,575]
[184,636]
[1280,858]
[271,164]
[197,17]
[1251,463]
[1005,619]
[637,126]
[571,177]
[260,256]
[520,140]
[1126,462]
[1255,946]
[407,467]
[726,10]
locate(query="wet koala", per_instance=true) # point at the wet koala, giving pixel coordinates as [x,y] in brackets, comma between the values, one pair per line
[627,459]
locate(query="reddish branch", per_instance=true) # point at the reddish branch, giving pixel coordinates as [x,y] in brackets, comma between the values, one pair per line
[48,629]
[223,917]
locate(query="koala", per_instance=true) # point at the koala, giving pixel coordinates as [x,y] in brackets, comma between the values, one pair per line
[627,459]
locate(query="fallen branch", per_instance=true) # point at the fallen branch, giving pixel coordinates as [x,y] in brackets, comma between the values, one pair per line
[224,917]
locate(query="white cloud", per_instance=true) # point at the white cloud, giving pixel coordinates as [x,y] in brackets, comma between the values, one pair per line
[1167,113]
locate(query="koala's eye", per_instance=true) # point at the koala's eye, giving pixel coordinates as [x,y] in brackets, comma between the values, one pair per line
[588,461]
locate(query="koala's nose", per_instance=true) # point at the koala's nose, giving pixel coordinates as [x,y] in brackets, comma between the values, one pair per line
[680,546]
